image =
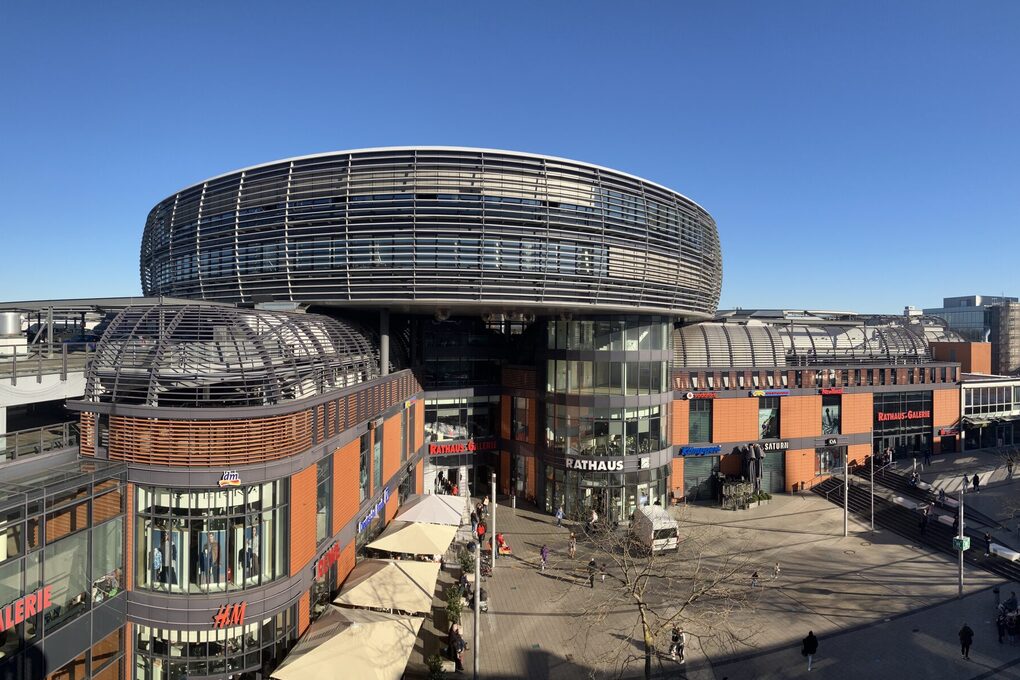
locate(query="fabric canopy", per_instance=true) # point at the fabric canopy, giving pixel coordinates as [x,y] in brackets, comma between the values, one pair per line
[434,509]
[391,584]
[416,538]
[352,643]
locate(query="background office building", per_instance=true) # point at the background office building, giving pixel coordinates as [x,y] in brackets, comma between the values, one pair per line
[968,315]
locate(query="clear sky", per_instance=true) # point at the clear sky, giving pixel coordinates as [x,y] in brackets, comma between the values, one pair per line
[856,155]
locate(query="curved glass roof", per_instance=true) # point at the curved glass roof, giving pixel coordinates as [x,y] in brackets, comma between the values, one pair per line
[201,356]
[740,345]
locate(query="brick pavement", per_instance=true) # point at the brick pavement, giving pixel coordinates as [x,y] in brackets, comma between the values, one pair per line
[860,594]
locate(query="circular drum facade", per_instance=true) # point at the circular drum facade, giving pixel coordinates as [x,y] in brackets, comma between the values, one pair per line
[432,228]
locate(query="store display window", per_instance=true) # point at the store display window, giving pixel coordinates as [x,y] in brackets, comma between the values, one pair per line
[210,541]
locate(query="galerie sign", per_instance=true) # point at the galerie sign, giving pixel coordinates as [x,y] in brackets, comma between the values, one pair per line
[594,465]
[903,415]
[26,607]
[470,446]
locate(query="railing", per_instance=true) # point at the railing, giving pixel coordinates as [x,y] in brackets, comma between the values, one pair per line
[35,361]
[18,445]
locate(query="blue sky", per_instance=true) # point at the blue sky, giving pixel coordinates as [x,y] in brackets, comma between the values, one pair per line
[855,155]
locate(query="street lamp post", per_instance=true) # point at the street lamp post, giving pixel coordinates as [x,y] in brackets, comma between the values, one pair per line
[846,494]
[477,597]
[873,492]
[959,520]
[492,521]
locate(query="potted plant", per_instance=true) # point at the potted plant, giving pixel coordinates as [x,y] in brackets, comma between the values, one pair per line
[454,604]
[434,667]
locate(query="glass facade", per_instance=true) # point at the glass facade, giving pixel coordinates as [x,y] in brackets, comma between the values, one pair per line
[364,467]
[461,418]
[613,495]
[242,651]
[520,409]
[768,417]
[587,431]
[323,498]
[903,421]
[991,400]
[210,541]
[831,404]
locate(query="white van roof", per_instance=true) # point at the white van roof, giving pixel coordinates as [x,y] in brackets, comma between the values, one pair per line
[654,512]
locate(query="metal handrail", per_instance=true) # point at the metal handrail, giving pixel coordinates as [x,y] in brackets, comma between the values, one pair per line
[33,441]
[35,361]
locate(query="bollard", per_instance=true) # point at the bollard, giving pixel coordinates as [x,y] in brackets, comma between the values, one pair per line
[513,502]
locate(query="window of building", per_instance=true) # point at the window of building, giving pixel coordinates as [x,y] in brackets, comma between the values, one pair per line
[377,442]
[768,417]
[210,541]
[700,421]
[519,415]
[829,459]
[463,418]
[403,436]
[831,413]
[323,498]
[365,467]
[581,430]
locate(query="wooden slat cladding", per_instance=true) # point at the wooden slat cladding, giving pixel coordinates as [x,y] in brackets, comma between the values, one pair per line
[209,443]
[302,519]
[87,434]
[224,443]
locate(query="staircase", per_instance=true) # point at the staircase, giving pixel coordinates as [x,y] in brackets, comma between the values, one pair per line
[906,523]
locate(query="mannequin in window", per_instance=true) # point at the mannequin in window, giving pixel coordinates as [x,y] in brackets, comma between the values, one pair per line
[209,560]
[246,560]
[168,572]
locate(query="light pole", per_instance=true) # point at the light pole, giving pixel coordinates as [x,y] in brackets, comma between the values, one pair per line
[492,521]
[872,492]
[846,494]
[959,520]
[478,597]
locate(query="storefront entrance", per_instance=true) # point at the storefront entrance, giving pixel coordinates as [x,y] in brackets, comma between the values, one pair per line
[614,496]
[701,479]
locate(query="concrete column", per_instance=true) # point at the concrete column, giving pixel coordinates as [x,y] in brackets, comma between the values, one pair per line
[3,427]
[384,341]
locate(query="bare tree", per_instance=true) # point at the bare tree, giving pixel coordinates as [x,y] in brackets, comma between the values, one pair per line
[701,587]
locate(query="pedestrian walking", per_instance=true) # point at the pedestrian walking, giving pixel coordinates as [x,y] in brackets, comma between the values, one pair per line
[572,545]
[1011,628]
[460,645]
[988,544]
[775,572]
[474,521]
[559,516]
[544,552]
[927,457]
[677,642]
[924,521]
[480,530]
[754,580]
[942,497]
[976,481]
[592,568]
[1000,625]
[485,504]
[1009,466]
[966,638]
[602,572]
[810,647]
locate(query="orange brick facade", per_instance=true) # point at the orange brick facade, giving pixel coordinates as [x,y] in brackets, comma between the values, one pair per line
[974,357]
[346,466]
[735,419]
[946,408]
[800,416]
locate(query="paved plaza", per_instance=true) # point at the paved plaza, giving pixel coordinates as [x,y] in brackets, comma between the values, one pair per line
[881,607]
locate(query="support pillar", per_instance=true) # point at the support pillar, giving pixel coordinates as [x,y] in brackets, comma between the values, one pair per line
[384,341]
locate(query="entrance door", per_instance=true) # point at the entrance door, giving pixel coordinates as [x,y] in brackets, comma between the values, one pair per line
[700,480]
[773,472]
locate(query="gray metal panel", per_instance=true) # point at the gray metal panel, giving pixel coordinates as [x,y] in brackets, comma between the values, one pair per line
[428,227]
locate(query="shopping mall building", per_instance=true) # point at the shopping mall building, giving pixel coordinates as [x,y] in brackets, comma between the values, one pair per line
[328,334]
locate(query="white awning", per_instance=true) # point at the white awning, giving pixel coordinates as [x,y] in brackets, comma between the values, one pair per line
[434,509]
[352,643]
[391,584]
[416,538]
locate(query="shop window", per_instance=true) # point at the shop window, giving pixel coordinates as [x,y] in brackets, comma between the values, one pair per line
[377,458]
[107,560]
[65,565]
[323,498]
[831,413]
[210,541]
[829,460]
[403,436]
[768,417]
[11,539]
[365,467]
[75,669]
[519,416]
[700,421]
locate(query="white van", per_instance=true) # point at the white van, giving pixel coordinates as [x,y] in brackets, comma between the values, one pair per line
[653,529]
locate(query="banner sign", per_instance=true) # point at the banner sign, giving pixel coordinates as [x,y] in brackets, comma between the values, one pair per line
[469,446]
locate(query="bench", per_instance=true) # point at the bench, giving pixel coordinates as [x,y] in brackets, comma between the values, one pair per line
[925,486]
[908,504]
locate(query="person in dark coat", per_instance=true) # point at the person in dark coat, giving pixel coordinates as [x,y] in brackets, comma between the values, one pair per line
[976,482]
[592,568]
[1000,625]
[810,647]
[988,544]
[966,638]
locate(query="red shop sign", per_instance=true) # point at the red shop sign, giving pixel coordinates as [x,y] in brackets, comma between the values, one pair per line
[328,559]
[903,415]
[26,607]
[947,431]
[832,390]
[700,395]
[470,446]
[230,615]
